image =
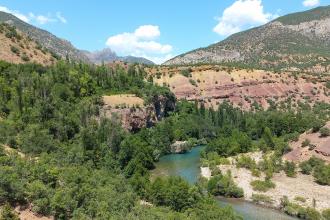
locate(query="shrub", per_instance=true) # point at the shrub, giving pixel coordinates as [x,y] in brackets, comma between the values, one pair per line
[306,167]
[246,162]
[262,199]
[326,214]
[186,72]
[325,132]
[290,169]
[300,199]
[299,211]
[223,185]
[193,82]
[263,186]
[322,174]
[25,58]
[317,125]
[305,143]
[327,84]
[7,213]
[14,49]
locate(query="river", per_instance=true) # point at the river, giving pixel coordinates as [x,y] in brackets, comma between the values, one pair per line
[187,166]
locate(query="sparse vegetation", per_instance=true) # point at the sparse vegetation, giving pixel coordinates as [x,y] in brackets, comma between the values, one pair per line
[324,132]
[305,143]
[290,169]
[186,72]
[262,199]
[262,186]
[15,50]
[224,185]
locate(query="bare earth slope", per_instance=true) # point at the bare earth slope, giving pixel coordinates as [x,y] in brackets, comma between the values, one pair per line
[16,47]
[59,46]
[319,147]
[245,88]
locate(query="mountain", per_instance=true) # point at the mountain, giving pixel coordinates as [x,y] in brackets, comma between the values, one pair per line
[17,47]
[299,41]
[107,55]
[58,46]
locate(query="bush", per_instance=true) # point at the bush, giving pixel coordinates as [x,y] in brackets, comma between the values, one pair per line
[322,174]
[299,211]
[300,199]
[325,132]
[25,58]
[317,125]
[327,84]
[326,214]
[186,72]
[223,185]
[262,199]
[262,186]
[246,162]
[7,213]
[306,167]
[193,82]
[14,49]
[305,143]
[290,169]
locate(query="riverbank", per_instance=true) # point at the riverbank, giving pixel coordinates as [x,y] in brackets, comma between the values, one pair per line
[301,190]
[188,167]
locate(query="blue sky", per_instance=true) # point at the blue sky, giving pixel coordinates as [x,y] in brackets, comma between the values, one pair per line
[156,30]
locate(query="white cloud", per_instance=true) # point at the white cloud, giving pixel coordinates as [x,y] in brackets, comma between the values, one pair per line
[32,18]
[41,19]
[242,14]
[142,42]
[311,3]
[61,18]
[147,32]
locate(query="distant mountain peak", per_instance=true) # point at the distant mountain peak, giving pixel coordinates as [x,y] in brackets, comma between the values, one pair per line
[107,55]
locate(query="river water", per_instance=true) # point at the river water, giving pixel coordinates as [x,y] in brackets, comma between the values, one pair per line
[187,166]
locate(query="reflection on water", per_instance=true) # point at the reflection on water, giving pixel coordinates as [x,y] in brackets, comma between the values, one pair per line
[187,166]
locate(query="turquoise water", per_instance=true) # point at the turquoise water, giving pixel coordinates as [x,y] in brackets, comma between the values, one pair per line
[187,166]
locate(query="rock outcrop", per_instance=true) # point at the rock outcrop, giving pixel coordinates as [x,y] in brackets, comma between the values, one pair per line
[133,112]
[180,147]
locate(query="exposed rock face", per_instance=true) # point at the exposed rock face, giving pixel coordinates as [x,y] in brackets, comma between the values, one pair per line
[133,119]
[300,41]
[133,113]
[204,56]
[215,84]
[107,55]
[180,147]
[314,29]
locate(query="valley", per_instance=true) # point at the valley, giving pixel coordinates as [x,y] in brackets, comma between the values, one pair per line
[239,129]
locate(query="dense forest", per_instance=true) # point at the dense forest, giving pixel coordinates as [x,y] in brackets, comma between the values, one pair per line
[74,164]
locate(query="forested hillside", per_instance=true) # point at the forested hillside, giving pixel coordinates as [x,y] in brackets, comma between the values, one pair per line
[72,164]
